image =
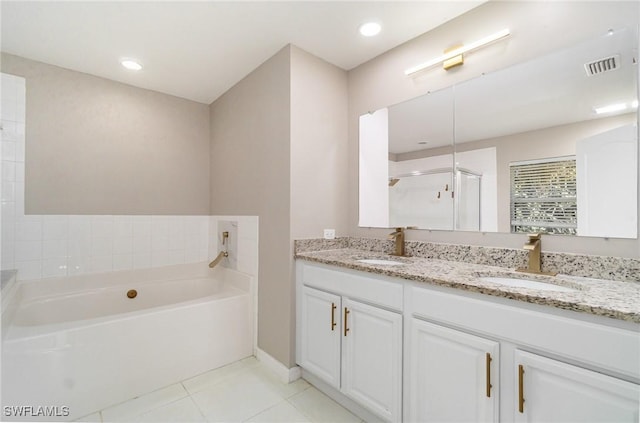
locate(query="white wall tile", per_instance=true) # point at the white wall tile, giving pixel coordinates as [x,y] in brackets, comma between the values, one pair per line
[55,228]
[54,267]
[142,261]
[8,171]
[141,244]
[28,230]
[19,169]
[101,226]
[28,250]
[122,261]
[122,227]
[99,264]
[101,247]
[8,191]
[159,243]
[29,269]
[20,149]
[19,199]
[77,265]
[8,150]
[141,226]
[80,227]
[159,258]
[123,245]
[54,249]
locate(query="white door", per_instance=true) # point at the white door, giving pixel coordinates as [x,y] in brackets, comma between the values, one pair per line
[320,334]
[453,375]
[372,358]
[551,391]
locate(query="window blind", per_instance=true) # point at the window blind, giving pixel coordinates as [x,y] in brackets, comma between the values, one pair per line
[544,196]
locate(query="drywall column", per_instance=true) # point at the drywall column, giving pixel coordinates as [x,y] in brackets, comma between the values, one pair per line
[250,174]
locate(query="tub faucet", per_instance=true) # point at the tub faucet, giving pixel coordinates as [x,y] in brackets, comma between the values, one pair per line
[534,247]
[398,236]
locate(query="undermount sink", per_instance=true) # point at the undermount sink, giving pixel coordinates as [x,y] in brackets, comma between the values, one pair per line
[383,262]
[526,283]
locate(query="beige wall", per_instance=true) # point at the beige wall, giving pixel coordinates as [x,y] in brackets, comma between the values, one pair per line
[250,138]
[537,28]
[96,146]
[278,151]
[319,154]
[540,144]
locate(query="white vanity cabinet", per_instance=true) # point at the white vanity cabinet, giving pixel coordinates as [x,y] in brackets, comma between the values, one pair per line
[349,335]
[551,391]
[454,376]
[400,350]
[553,365]
[320,334]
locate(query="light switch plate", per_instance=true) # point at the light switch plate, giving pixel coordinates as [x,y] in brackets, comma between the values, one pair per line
[329,234]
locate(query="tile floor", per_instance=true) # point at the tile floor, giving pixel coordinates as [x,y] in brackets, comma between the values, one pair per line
[244,391]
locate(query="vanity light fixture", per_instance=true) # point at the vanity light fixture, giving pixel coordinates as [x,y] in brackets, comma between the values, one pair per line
[131,64]
[370,29]
[453,57]
[617,107]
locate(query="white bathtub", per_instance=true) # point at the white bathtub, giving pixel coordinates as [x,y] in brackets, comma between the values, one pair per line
[81,343]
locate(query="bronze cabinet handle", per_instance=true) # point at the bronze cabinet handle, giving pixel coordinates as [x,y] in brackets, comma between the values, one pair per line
[521,388]
[346,313]
[488,372]
[333,316]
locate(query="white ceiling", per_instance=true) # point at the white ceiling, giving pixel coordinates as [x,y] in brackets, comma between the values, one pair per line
[198,50]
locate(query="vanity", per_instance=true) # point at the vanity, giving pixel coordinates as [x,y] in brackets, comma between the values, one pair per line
[425,340]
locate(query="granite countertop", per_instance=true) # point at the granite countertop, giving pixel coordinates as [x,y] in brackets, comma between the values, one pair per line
[618,300]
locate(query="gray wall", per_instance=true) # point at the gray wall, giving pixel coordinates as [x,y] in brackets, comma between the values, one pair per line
[96,146]
[537,28]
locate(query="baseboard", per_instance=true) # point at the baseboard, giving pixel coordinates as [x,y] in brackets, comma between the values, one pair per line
[284,374]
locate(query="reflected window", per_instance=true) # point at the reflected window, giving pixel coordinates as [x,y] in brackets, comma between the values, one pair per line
[544,196]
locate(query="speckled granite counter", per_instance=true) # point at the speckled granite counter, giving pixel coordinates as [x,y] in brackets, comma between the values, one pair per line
[618,300]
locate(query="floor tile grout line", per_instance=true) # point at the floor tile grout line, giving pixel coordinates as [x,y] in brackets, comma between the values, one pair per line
[266,409]
[204,418]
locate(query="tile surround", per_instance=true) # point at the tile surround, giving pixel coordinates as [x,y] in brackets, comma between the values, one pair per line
[42,246]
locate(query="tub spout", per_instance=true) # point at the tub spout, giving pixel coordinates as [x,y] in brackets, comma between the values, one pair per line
[218,259]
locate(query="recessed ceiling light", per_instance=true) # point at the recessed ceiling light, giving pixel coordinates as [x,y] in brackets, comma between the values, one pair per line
[370,29]
[131,64]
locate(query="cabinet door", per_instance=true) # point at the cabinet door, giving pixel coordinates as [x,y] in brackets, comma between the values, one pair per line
[551,391]
[453,375]
[372,358]
[321,334]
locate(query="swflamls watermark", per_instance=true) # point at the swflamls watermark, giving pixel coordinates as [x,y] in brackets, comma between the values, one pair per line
[36,411]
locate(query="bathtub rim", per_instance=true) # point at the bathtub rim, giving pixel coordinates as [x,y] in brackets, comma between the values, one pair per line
[234,284]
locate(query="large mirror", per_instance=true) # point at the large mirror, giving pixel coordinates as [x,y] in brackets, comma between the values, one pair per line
[550,145]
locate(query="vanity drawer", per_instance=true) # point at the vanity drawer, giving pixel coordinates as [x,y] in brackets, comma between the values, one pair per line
[353,284]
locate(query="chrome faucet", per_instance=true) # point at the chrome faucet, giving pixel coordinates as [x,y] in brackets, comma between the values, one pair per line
[534,247]
[398,236]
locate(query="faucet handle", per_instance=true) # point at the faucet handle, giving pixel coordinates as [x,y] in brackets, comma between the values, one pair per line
[534,236]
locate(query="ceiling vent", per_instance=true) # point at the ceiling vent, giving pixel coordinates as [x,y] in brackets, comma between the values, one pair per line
[603,65]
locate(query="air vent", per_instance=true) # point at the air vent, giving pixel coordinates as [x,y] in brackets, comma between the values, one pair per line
[603,65]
